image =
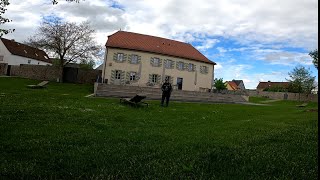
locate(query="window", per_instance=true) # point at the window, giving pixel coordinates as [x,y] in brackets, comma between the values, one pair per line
[191,67]
[133,76]
[180,65]
[204,69]
[156,61]
[154,78]
[169,64]
[29,61]
[1,58]
[134,59]
[118,74]
[120,57]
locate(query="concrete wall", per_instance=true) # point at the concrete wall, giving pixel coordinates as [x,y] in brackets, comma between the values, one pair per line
[192,81]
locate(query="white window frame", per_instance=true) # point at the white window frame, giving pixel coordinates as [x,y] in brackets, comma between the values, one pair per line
[191,67]
[1,58]
[156,61]
[168,64]
[133,76]
[120,57]
[134,59]
[117,74]
[180,65]
[154,78]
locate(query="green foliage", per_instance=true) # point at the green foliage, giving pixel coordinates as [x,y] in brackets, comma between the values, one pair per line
[57,133]
[314,55]
[301,80]
[87,64]
[276,89]
[219,84]
[3,20]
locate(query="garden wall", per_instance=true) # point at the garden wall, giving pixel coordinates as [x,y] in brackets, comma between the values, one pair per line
[284,95]
[37,72]
[3,69]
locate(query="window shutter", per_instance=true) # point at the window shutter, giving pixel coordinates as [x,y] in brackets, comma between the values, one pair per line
[186,66]
[158,79]
[129,58]
[113,74]
[172,64]
[128,76]
[194,67]
[124,57]
[115,56]
[150,78]
[177,65]
[160,62]
[122,78]
[151,61]
[139,59]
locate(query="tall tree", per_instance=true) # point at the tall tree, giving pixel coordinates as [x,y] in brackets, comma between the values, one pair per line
[70,42]
[219,84]
[3,20]
[301,80]
[314,55]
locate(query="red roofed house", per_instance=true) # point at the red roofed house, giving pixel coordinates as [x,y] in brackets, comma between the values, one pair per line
[231,86]
[14,53]
[143,60]
[265,85]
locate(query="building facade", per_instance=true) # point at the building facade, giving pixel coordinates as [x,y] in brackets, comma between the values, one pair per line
[15,53]
[142,60]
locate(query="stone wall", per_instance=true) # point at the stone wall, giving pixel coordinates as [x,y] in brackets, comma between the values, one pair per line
[88,75]
[3,69]
[51,73]
[37,72]
[284,95]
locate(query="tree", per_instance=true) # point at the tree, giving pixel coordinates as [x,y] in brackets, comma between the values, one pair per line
[3,20]
[219,84]
[87,64]
[314,55]
[301,80]
[69,42]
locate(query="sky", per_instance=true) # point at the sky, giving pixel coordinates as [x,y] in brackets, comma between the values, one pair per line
[250,40]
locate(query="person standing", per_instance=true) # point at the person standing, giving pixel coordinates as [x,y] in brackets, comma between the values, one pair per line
[166,92]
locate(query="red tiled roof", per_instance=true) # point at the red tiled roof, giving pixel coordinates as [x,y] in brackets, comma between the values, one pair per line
[25,51]
[146,43]
[233,85]
[263,85]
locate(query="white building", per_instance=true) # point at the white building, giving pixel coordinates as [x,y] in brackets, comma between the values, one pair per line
[15,53]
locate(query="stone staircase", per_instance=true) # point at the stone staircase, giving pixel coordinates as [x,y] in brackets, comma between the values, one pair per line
[107,90]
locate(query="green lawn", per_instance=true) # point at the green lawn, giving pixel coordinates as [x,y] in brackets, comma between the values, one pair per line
[57,133]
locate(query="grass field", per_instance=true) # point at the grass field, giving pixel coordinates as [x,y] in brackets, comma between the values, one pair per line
[58,133]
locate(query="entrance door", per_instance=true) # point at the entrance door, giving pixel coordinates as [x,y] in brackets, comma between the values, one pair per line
[9,70]
[117,79]
[179,83]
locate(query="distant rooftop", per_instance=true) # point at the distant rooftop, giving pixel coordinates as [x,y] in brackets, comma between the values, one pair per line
[23,50]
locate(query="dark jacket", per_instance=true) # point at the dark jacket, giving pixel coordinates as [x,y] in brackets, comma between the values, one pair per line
[166,88]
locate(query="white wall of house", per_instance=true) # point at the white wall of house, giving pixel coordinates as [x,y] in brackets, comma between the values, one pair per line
[192,80]
[10,59]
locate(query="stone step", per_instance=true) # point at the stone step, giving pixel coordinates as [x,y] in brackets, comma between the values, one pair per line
[155,93]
